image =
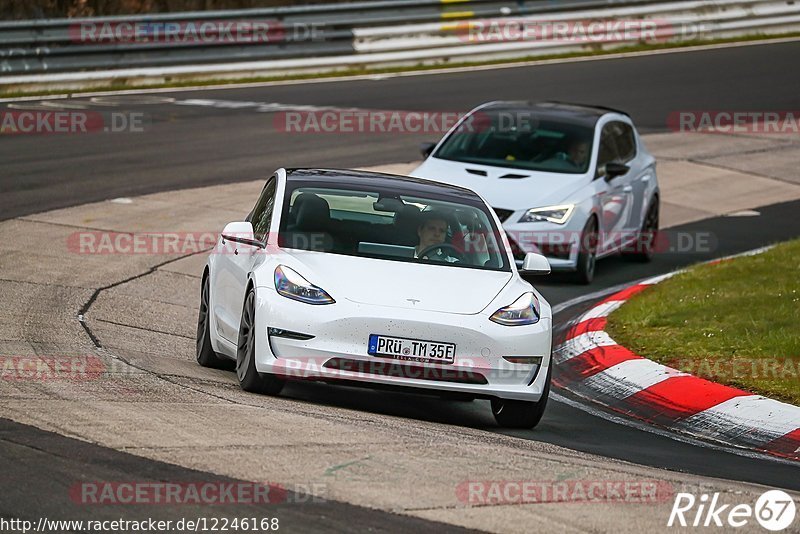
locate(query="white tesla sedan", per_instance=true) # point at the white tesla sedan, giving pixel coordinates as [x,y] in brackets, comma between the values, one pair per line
[573,182]
[377,280]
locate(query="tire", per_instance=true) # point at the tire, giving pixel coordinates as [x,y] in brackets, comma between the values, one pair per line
[249,378]
[645,242]
[205,354]
[521,414]
[587,254]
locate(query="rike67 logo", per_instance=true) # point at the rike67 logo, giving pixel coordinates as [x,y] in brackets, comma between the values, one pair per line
[774,510]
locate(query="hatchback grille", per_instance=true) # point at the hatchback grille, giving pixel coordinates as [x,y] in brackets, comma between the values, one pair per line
[555,250]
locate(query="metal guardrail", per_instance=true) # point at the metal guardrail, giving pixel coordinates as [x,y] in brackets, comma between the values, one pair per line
[354,34]
[35,46]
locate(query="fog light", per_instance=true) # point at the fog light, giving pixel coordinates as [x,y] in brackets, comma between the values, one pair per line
[528,360]
[279,332]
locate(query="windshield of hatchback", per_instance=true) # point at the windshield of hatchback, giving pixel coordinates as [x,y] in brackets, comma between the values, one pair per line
[519,139]
[388,224]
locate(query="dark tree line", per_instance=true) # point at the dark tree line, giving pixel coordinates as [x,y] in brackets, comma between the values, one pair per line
[38,9]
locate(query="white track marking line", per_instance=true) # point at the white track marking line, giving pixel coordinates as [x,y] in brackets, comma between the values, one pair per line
[66,104]
[660,278]
[110,100]
[595,295]
[602,310]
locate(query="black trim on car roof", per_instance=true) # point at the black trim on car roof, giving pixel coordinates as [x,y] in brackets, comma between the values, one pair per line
[602,110]
[586,113]
[375,179]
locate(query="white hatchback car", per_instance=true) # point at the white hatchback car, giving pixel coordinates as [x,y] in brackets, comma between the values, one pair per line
[570,181]
[377,280]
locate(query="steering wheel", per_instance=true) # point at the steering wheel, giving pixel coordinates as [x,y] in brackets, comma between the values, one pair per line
[454,251]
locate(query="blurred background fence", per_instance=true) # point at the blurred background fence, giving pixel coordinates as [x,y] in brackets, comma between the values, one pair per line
[168,42]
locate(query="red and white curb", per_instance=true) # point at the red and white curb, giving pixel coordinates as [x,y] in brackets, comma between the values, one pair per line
[592,365]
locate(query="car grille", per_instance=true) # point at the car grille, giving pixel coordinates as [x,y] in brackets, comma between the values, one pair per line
[503,214]
[437,374]
[559,251]
[555,250]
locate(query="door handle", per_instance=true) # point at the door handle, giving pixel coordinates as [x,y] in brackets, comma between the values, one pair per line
[627,189]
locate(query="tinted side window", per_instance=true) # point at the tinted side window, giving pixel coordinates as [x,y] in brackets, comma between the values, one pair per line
[625,140]
[261,215]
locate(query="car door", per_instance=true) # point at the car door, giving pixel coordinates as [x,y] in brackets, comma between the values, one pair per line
[616,194]
[237,261]
[638,177]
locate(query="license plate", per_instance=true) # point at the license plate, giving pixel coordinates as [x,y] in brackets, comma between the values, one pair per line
[414,350]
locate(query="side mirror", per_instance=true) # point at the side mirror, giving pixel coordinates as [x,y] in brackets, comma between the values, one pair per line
[241,232]
[613,169]
[426,149]
[535,264]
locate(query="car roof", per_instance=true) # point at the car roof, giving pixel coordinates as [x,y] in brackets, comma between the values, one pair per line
[379,180]
[585,114]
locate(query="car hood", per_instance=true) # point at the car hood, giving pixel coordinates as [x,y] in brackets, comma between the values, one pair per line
[527,189]
[413,286]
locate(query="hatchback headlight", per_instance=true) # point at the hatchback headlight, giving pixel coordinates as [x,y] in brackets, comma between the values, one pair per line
[553,214]
[291,285]
[524,310]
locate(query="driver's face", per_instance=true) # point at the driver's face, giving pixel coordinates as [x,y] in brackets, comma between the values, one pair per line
[579,153]
[432,233]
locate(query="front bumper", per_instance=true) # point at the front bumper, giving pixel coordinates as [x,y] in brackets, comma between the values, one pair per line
[338,350]
[558,243]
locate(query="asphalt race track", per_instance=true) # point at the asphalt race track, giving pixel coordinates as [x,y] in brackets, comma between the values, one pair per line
[192,146]
[43,463]
[196,145]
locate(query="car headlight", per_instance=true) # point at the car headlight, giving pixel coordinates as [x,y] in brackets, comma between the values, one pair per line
[524,310]
[553,214]
[291,285]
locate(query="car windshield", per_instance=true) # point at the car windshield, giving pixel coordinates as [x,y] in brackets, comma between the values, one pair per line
[442,229]
[520,139]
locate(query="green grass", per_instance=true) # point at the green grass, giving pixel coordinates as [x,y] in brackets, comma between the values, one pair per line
[188,81]
[736,322]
